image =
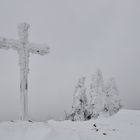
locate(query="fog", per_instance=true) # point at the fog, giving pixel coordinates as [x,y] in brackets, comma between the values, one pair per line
[83,35]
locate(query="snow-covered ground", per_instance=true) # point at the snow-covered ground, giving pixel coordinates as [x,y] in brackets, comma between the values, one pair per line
[125,125]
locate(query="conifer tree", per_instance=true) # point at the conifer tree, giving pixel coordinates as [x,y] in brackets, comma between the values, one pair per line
[79,102]
[96,92]
[112,99]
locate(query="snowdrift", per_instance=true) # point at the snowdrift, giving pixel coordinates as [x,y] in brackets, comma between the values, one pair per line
[125,125]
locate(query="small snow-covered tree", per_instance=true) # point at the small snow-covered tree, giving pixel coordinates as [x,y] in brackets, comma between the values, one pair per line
[79,102]
[112,99]
[96,92]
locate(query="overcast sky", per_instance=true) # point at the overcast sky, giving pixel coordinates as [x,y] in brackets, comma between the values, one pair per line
[83,35]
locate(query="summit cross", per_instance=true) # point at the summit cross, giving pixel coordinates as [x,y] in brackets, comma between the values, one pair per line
[24,48]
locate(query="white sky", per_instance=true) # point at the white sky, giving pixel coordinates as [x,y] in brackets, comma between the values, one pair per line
[83,35]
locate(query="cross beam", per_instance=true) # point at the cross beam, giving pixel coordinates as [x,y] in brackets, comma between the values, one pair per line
[24,48]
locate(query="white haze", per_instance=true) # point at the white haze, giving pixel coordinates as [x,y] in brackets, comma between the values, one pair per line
[83,35]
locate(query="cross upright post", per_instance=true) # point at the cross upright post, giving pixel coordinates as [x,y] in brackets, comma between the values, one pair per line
[24,48]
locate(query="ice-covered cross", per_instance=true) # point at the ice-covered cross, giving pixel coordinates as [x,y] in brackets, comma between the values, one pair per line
[24,48]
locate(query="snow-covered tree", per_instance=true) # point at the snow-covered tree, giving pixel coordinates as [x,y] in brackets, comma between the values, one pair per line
[79,102]
[103,98]
[112,99]
[96,92]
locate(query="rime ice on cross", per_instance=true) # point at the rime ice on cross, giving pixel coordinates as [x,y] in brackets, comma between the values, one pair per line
[24,48]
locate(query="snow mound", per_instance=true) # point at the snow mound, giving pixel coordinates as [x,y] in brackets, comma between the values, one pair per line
[125,125]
